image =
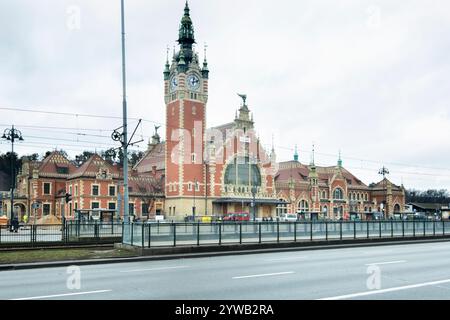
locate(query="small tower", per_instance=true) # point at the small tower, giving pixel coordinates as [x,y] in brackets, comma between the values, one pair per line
[339,162]
[296,154]
[313,179]
[243,120]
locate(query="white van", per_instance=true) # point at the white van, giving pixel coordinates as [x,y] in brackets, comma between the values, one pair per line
[291,217]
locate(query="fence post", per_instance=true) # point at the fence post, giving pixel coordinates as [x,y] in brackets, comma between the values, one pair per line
[220,233]
[443,227]
[143,235]
[240,233]
[354,229]
[392,228]
[130,224]
[174,234]
[340,230]
[379,227]
[149,233]
[96,229]
[311,231]
[434,228]
[123,226]
[0,234]
[367,225]
[424,228]
[278,231]
[198,233]
[414,228]
[403,228]
[326,230]
[295,231]
[31,234]
[259,225]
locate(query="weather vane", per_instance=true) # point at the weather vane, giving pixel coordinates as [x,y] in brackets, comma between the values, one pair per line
[243,96]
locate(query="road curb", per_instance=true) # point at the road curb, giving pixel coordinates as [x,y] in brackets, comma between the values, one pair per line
[212,251]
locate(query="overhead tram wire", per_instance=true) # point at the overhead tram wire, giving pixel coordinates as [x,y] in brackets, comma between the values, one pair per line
[175,127]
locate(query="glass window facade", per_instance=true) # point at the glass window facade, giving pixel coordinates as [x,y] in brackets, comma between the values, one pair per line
[242,172]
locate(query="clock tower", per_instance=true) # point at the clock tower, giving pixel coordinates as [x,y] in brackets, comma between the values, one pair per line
[186,94]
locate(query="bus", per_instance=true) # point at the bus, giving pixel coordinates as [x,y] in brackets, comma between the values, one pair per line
[236,216]
[101,215]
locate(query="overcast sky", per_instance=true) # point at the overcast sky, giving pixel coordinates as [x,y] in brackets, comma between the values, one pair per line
[369,78]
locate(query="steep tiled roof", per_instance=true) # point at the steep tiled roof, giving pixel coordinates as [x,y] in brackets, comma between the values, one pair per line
[153,157]
[55,165]
[299,173]
[145,185]
[383,183]
[92,167]
[223,128]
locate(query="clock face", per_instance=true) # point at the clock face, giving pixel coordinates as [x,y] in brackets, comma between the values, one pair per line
[193,82]
[173,83]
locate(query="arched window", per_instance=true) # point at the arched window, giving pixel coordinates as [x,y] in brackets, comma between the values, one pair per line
[282,207]
[303,206]
[325,209]
[338,194]
[397,208]
[324,195]
[242,172]
[357,196]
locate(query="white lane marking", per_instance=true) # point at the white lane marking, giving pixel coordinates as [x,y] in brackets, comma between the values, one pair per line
[377,252]
[368,293]
[263,275]
[387,262]
[287,258]
[63,295]
[155,269]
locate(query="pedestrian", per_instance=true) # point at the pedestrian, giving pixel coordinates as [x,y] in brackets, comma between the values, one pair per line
[15,224]
[25,218]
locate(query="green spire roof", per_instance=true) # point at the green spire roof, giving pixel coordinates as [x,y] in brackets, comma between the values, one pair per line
[186,32]
[339,163]
[296,154]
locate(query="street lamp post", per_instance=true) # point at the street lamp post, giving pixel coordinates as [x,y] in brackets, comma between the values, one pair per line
[193,208]
[11,135]
[206,187]
[253,203]
[384,171]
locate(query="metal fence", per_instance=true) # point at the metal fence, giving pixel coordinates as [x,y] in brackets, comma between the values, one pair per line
[149,235]
[70,232]
[218,233]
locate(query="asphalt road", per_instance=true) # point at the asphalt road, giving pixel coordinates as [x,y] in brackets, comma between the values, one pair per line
[414,271]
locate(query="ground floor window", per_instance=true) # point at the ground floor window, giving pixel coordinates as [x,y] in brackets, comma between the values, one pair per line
[338,212]
[131,208]
[282,208]
[112,206]
[46,209]
[145,209]
[303,206]
[95,205]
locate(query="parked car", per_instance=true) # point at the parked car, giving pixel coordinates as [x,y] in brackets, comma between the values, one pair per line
[291,217]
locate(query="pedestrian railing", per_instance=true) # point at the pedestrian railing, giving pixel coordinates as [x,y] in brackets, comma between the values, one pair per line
[70,232]
[218,233]
[149,235]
